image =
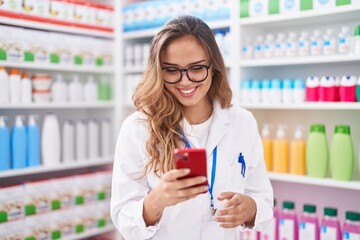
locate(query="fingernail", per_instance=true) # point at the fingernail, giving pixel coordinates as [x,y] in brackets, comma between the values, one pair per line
[186,171]
[203,179]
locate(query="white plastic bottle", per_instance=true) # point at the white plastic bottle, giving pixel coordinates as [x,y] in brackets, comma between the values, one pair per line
[330,42]
[288,90]
[316,43]
[304,44]
[50,141]
[255,91]
[80,152]
[93,139]
[105,138]
[259,47]
[90,89]
[138,55]
[344,40]
[280,45]
[59,89]
[76,91]
[219,38]
[269,46]
[247,49]
[129,56]
[228,43]
[26,89]
[276,88]
[266,91]
[245,91]
[68,142]
[292,45]
[145,53]
[299,90]
[5,86]
[15,89]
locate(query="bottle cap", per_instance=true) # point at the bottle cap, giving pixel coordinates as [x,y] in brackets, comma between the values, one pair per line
[266,84]
[353,216]
[2,121]
[265,132]
[332,212]
[342,129]
[2,68]
[298,134]
[280,131]
[24,74]
[357,31]
[299,83]
[309,208]
[288,205]
[19,120]
[14,71]
[317,128]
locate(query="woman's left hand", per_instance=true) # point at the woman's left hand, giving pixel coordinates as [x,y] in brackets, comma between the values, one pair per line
[239,210]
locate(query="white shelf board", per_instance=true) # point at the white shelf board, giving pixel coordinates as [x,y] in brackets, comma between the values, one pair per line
[58,67]
[60,167]
[92,233]
[54,27]
[299,60]
[148,33]
[326,182]
[309,17]
[65,105]
[304,106]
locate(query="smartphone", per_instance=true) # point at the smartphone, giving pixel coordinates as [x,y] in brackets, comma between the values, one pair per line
[193,159]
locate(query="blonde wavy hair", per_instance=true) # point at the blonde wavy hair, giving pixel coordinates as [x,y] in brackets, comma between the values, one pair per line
[163,111]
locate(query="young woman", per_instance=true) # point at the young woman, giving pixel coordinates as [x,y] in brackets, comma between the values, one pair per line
[184,100]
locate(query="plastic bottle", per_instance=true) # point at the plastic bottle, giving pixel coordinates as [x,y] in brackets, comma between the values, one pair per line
[5,86]
[309,228]
[356,41]
[288,90]
[280,45]
[26,89]
[358,90]
[4,145]
[297,153]
[59,90]
[266,91]
[33,139]
[276,90]
[76,91]
[344,40]
[15,90]
[304,44]
[268,146]
[259,47]
[327,90]
[312,89]
[93,139]
[317,153]
[68,142]
[219,38]
[104,90]
[330,226]
[50,141]
[299,90]
[342,158]
[272,231]
[269,46]
[316,44]
[255,91]
[245,91]
[351,227]
[330,42]
[288,225]
[280,151]
[348,89]
[105,138]
[292,45]
[90,90]
[247,50]
[18,144]
[80,142]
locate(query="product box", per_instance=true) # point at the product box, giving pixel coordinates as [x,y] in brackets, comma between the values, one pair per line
[104,181]
[62,195]
[85,188]
[11,5]
[37,197]
[62,224]
[38,227]
[12,230]
[11,203]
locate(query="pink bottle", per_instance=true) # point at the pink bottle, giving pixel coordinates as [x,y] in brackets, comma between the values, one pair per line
[330,226]
[309,228]
[288,225]
[312,89]
[272,232]
[351,229]
[348,89]
[327,89]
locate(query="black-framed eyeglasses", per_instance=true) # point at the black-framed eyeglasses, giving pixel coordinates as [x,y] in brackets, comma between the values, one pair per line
[195,73]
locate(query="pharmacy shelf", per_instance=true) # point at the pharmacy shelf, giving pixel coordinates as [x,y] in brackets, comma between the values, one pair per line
[304,106]
[57,168]
[54,27]
[149,33]
[65,105]
[131,70]
[310,17]
[93,232]
[326,182]
[299,61]
[58,67]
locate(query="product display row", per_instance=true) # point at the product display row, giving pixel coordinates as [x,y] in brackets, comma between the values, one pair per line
[312,157]
[298,90]
[293,45]
[27,147]
[87,14]
[33,46]
[153,14]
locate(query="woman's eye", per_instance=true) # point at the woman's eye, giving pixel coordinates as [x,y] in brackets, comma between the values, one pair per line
[171,70]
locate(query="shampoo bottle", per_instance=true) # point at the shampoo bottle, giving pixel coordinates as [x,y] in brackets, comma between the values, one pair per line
[312,89]
[80,141]
[33,139]
[93,139]
[268,146]
[18,143]
[330,226]
[351,227]
[26,89]
[342,158]
[5,86]
[280,152]
[297,153]
[317,153]
[348,89]
[288,225]
[68,142]
[15,89]
[50,140]
[90,91]
[4,145]
[309,224]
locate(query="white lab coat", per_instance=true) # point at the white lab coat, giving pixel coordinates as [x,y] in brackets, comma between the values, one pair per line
[233,131]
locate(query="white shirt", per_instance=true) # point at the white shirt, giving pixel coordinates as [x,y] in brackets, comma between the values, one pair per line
[201,131]
[233,131]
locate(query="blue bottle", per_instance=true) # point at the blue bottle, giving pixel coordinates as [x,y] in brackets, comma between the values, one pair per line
[4,145]
[18,144]
[33,140]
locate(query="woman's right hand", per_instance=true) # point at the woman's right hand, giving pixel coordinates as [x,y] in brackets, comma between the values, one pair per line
[171,191]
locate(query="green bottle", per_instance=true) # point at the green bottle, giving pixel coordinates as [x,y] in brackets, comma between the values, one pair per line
[358,90]
[317,152]
[342,154]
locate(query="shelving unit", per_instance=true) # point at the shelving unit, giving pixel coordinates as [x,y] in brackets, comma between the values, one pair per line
[303,106]
[93,232]
[52,105]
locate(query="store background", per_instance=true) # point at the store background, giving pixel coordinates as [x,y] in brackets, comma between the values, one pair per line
[128,38]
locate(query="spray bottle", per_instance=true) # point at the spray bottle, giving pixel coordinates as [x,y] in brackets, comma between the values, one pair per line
[268,146]
[18,143]
[4,145]
[298,152]
[281,151]
[33,139]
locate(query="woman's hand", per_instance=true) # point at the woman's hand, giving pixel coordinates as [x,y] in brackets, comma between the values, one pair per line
[171,191]
[239,210]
